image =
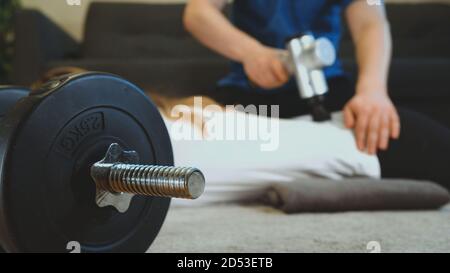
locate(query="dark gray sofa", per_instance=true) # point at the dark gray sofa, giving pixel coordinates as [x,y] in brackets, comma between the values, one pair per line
[146,43]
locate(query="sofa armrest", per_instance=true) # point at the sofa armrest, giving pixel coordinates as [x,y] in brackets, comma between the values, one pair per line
[38,40]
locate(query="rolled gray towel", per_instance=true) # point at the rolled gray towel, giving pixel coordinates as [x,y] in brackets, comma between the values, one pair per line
[321,195]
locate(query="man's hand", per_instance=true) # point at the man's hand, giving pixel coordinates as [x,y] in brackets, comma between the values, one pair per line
[264,67]
[262,64]
[374,119]
[370,112]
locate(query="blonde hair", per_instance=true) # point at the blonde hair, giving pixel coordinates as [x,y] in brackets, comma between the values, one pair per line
[55,72]
[164,103]
[167,103]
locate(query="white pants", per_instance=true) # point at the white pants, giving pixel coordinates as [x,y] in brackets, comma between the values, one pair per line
[240,168]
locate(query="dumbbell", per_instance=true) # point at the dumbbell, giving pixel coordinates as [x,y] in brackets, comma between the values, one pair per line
[9,95]
[86,159]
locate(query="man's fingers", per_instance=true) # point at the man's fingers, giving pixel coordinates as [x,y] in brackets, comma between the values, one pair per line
[280,71]
[265,80]
[395,125]
[349,118]
[361,130]
[383,139]
[373,133]
[270,79]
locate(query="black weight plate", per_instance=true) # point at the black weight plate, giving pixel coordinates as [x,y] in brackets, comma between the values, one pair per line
[48,145]
[9,95]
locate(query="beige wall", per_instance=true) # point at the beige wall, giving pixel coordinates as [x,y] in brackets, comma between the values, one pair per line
[71,18]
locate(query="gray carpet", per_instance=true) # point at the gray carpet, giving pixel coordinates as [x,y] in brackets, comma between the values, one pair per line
[261,229]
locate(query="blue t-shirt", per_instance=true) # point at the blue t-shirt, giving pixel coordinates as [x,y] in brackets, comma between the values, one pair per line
[273,21]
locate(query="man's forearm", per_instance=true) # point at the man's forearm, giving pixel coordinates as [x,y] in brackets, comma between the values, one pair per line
[371,112]
[372,38]
[207,23]
[373,49]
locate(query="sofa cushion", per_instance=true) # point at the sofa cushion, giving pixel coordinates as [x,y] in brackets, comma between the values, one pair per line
[418,30]
[415,77]
[123,30]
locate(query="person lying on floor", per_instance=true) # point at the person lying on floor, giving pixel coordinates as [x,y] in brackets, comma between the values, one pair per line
[242,153]
[239,166]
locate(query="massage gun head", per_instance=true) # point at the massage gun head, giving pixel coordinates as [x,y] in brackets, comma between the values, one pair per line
[307,56]
[318,111]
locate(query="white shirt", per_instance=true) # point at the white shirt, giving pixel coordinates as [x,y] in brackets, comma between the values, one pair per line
[259,151]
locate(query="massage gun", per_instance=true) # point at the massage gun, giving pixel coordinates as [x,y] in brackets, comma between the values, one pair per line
[305,58]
